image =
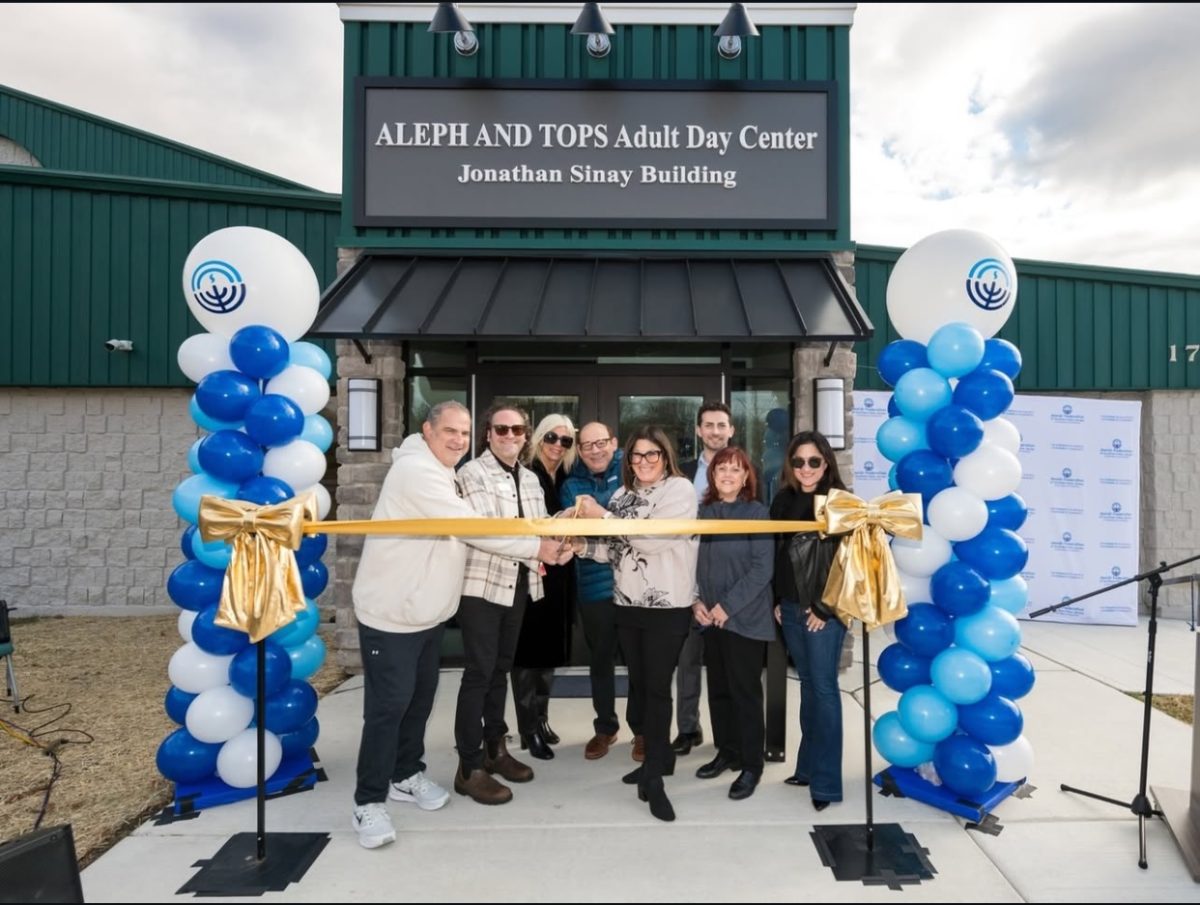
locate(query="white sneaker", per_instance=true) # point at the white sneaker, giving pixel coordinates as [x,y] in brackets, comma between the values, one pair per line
[373,825]
[421,790]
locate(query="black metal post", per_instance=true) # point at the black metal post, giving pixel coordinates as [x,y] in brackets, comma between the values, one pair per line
[866,636]
[260,713]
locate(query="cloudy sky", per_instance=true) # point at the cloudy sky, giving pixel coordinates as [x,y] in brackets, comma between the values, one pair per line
[1066,133]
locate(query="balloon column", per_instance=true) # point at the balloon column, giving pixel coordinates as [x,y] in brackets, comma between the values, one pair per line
[258,397]
[955,660]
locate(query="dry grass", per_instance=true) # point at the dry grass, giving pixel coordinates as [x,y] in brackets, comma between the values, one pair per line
[93,689]
[1180,706]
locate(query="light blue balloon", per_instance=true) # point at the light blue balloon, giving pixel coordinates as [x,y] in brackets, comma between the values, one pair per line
[961,675]
[992,633]
[897,437]
[215,555]
[926,714]
[208,422]
[897,746]
[955,349]
[1010,594]
[194,457]
[318,432]
[921,392]
[312,356]
[307,657]
[186,498]
[299,629]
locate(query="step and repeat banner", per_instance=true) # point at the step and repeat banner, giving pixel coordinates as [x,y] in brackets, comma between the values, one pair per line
[1080,474]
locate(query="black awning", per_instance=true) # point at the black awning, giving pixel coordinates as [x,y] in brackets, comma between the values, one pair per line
[593,298]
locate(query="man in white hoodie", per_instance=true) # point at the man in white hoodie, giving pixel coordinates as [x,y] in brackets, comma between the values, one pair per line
[405,590]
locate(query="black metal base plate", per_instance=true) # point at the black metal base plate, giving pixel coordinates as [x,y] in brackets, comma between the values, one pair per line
[894,860]
[236,871]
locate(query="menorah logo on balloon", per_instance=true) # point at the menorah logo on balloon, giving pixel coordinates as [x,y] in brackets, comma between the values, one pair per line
[218,287]
[988,284]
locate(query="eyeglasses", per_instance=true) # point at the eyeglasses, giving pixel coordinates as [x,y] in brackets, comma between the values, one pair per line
[564,442]
[813,462]
[650,457]
[589,445]
[501,430]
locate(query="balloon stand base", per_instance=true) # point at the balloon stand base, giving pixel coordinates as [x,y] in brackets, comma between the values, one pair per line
[905,782]
[235,870]
[888,856]
[295,774]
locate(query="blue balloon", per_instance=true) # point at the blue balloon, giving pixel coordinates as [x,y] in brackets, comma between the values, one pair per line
[1010,594]
[207,422]
[954,432]
[243,670]
[958,589]
[291,707]
[177,702]
[926,630]
[1007,512]
[183,759]
[965,766]
[1012,677]
[301,740]
[230,456]
[987,392]
[961,675]
[897,437]
[273,420]
[921,392]
[299,629]
[307,657]
[1001,355]
[225,395]
[217,639]
[186,498]
[312,356]
[185,541]
[924,472]
[995,720]
[925,714]
[265,491]
[893,409]
[897,746]
[900,357]
[955,349]
[194,457]
[901,669]
[259,351]
[312,548]
[992,633]
[994,553]
[313,578]
[214,554]
[194,586]
[318,432]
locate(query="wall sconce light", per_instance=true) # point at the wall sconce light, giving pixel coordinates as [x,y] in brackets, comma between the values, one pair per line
[830,395]
[591,22]
[735,26]
[449,19]
[365,410]
[118,345]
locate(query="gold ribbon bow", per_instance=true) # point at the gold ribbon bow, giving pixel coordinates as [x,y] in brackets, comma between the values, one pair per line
[863,582]
[262,590]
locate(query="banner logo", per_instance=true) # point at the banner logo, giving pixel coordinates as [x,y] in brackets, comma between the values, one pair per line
[218,287]
[989,284]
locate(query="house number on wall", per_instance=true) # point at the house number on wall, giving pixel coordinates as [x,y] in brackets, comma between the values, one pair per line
[1189,350]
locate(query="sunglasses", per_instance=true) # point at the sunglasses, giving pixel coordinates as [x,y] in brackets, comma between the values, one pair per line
[813,462]
[564,442]
[501,430]
[652,456]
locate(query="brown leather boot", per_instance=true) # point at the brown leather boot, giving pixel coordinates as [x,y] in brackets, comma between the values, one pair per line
[480,786]
[496,759]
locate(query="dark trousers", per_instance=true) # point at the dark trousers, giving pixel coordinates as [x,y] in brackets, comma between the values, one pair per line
[489,635]
[599,618]
[687,682]
[735,696]
[651,640]
[400,677]
[531,696]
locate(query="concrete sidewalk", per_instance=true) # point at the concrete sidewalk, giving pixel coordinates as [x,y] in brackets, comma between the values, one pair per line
[577,834]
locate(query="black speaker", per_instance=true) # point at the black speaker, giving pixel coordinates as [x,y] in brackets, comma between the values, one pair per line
[40,867]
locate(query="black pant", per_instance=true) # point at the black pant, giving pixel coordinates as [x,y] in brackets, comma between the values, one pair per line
[735,696]
[651,640]
[400,677]
[489,635]
[531,696]
[599,619]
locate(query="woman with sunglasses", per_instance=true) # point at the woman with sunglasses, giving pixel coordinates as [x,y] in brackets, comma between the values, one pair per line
[812,633]
[654,578]
[545,639]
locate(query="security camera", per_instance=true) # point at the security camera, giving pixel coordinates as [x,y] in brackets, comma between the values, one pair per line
[118,345]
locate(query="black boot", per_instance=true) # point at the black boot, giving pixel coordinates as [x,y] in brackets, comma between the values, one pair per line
[537,745]
[545,682]
[548,734]
[660,805]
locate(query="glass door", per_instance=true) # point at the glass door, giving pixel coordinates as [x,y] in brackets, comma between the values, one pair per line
[630,402]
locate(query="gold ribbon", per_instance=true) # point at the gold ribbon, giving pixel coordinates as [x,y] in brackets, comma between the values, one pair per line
[556,527]
[262,590]
[863,582]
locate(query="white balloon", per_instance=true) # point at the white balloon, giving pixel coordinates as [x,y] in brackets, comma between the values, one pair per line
[200,355]
[957,514]
[237,761]
[304,386]
[217,715]
[194,670]
[990,472]
[1014,760]
[955,275]
[184,624]
[921,557]
[243,275]
[324,503]
[298,463]
[916,589]
[1003,433]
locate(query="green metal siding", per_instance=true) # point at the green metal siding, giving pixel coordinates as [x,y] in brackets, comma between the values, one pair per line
[1078,327]
[85,259]
[65,139]
[541,51]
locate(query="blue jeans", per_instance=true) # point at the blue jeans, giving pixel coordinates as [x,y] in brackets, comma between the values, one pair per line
[815,656]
